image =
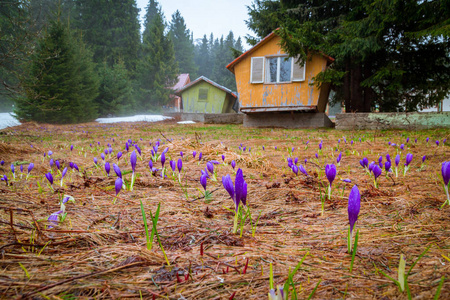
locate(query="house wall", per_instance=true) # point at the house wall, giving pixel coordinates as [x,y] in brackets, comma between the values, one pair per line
[214,103]
[281,94]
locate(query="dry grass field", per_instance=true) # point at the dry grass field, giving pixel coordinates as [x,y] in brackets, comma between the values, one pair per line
[99,250]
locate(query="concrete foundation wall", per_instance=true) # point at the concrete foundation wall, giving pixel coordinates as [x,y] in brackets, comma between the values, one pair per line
[415,120]
[230,118]
[287,120]
[224,118]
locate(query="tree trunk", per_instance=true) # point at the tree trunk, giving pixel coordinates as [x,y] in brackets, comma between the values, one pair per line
[346,89]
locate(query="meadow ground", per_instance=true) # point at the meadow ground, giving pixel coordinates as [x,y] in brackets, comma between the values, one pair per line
[99,250]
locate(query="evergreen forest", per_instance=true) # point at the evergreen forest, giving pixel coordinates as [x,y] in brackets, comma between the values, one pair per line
[71,61]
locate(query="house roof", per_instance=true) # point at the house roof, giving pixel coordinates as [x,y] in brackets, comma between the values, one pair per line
[183,79]
[203,78]
[264,41]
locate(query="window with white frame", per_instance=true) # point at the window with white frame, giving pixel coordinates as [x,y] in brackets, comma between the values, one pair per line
[276,69]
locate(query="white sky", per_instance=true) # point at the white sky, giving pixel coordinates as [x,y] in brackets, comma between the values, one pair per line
[206,16]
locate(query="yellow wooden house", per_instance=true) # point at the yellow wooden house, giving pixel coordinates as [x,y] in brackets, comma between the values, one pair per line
[268,80]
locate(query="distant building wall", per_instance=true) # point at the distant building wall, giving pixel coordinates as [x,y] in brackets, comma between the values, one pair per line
[214,102]
[445,106]
[414,120]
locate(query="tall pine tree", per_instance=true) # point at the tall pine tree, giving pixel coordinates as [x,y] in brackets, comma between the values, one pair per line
[158,69]
[62,84]
[203,58]
[183,45]
[111,29]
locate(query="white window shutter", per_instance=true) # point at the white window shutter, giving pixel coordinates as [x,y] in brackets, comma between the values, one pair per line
[257,70]
[298,72]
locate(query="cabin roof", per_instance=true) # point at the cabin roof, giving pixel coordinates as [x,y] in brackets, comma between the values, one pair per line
[183,79]
[203,78]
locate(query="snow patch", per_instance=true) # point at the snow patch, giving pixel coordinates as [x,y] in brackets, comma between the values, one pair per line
[137,118]
[186,122]
[7,120]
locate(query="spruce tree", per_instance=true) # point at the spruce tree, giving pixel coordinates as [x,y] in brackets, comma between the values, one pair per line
[182,44]
[115,96]
[203,58]
[158,69]
[111,29]
[62,84]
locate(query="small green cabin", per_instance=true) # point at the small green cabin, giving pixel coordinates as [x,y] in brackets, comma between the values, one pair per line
[205,96]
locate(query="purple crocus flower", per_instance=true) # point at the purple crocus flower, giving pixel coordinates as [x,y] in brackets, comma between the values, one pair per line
[150,165]
[296,161]
[371,165]
[51,162]
[200,156]
[402,146]
[203,180]
[30,167]
[338,160]
[71,165]
[53,219]
[233,164]
[388,157]
[163,159]
[75,167]
[127,147]
[118,185]
[409,158]
[50,153]
[317,155]
[133,160]
[424,158]
[295,169]
[354,205]
[346,180]
[445,171]
[110,150]
[107,168]
[320,145]
[49,177]
[5,179]
[210,167]
[71,147]
[173,165]
[387,166]
[437,142]
[57,164]
[223,158]
[95,160]
[64,172]
[119,155]
[351,142]
[179,165]
[3,162]
[376,171]
[103,155]
[194,153]
[407,140]
[397,160]
[330,172]
[117,170]
[138,149]
[428,139]
[21,168]
[302,169]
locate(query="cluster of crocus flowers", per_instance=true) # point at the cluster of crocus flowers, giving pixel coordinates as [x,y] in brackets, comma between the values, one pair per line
[445,171]
[238,192]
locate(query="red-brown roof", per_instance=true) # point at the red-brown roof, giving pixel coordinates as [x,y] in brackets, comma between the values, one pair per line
[183,79]
[231,65]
